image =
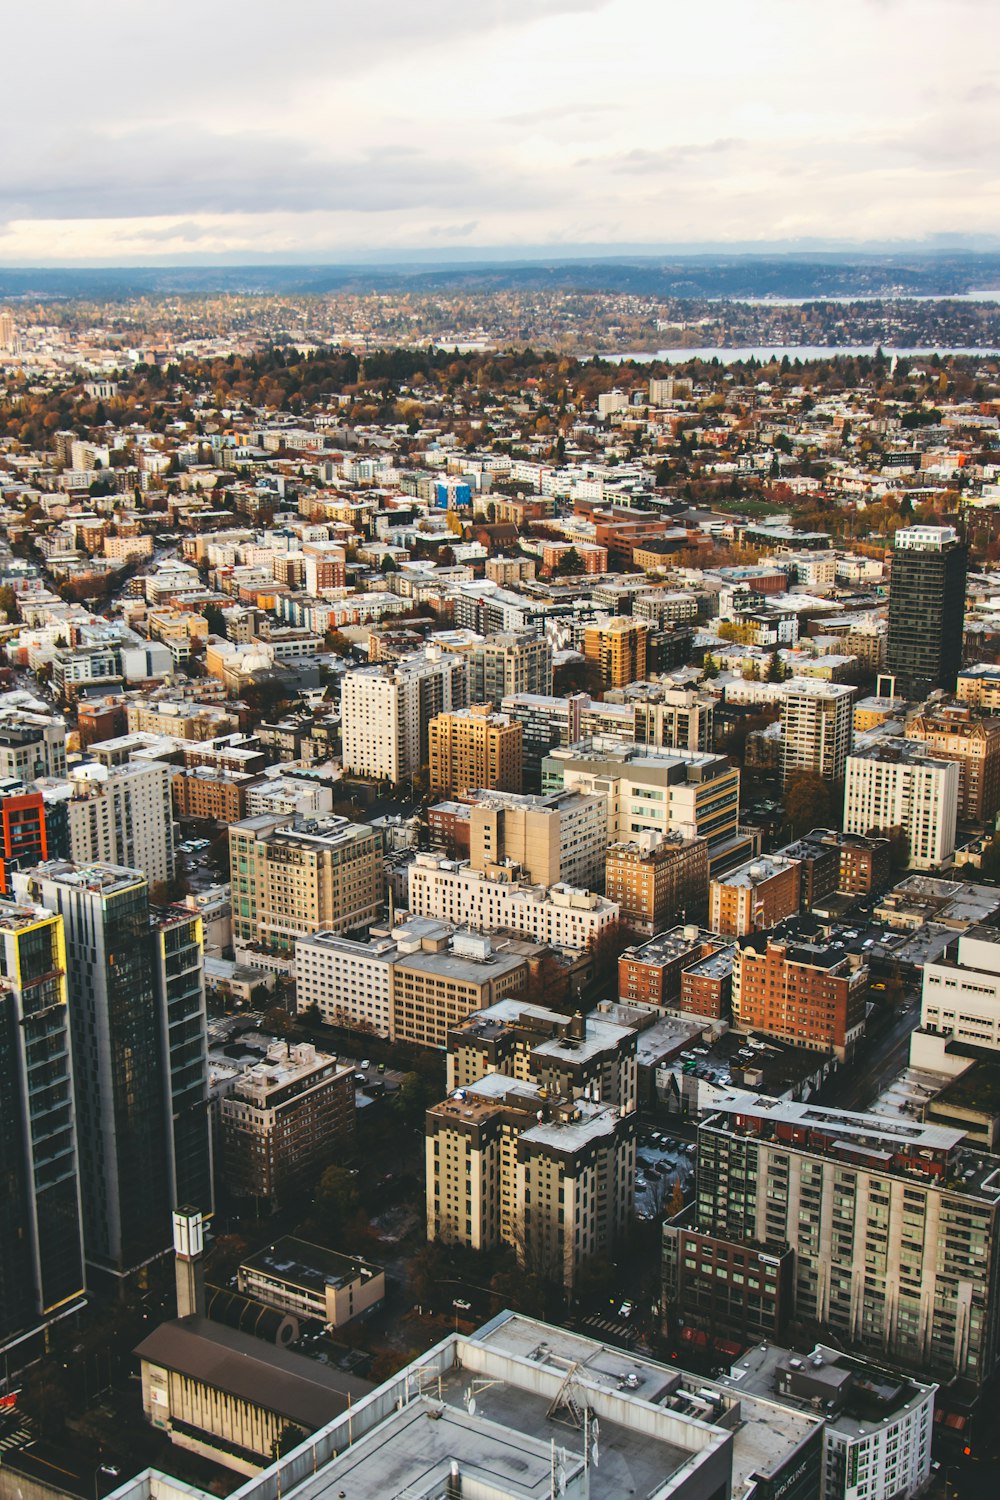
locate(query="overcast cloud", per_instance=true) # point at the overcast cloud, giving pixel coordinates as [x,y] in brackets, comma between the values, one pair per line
[234,128]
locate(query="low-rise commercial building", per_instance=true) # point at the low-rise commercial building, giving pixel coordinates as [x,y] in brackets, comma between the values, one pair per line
[312,1282]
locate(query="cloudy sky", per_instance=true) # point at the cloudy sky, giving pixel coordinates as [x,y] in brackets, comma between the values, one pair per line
[133,130]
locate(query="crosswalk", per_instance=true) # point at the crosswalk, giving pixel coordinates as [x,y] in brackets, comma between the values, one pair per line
[619,1331]
[16,1432]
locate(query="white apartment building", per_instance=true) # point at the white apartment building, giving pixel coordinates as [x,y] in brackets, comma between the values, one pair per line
[385,711]
[897,786]
[123,816]
[349,983]
[560,915]
[961,1000]
[817,727]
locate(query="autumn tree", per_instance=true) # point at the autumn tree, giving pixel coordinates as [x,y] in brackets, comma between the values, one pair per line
[807,802]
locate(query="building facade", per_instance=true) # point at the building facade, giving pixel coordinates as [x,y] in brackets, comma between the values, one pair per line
[927,607]
[898,786]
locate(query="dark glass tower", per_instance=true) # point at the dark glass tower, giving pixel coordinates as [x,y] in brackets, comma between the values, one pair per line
[118,1061]
[178,957]
[926,607]
[41,1246]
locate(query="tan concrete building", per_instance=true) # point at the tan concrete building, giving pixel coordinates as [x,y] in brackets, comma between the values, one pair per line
[286,1117]
[754,896]
[438,986]
[979,687]
[957,732]
[618,647]
[657,879]
[475,747]
[509,1164]
[561,837]
[292,877]
[577,1055]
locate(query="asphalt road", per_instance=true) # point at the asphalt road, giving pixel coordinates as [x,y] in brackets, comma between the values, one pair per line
[877,1061]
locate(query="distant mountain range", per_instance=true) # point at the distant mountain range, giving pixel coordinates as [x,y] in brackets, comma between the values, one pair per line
[739,276]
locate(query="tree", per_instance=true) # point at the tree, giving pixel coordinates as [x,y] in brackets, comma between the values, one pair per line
[676,1204]
[776,668]
[807,802]
[411,1099]
[569,565]
[336,1202]
[215,620]
[388,564]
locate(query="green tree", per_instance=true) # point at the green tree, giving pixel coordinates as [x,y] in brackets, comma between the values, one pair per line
[807,802]
[569,565]
[336,1202]
[411,1099]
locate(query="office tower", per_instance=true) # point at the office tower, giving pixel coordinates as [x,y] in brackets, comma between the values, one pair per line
[178,958]
[553,1177]
[804,993]
[23,833]
[117,1058]
[817,728]
[897,786]
[386,709]
[559,914]
[295,876]
[512,663]
[893,1225]
[123,816]
[41,1244]
[657,878]
[926,607]
[657,791]
[754,896]
[955,732]
[287,1117]
[8,333]
[474,747]
[617,646]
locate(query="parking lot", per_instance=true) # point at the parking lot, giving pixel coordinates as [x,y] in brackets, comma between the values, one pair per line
[662,1161]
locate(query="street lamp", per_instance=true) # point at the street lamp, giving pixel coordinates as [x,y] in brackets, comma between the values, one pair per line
[111,1470]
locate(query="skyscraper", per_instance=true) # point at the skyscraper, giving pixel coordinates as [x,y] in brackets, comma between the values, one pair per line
[816,728]
[117,1058]
[41,1246]
[927,607]
[178,955]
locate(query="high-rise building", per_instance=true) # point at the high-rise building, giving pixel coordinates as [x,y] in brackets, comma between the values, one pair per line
[31,744]
[955,732]
[474,747]
[553,1177]
[657,791]
[617,646]
[894,1225]
[286,1117]
[295,876]
[386,710]
[926,607]
[577,1055]
[518,662]
[678,718]
[118,1062]
[657,878]
[817,728]
[897,786]
[23,833]
[561,837]
[178,957]
[41,1241]
[801,992]
[123,816]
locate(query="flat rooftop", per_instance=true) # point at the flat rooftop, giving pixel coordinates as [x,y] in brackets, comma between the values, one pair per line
[312,1267]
